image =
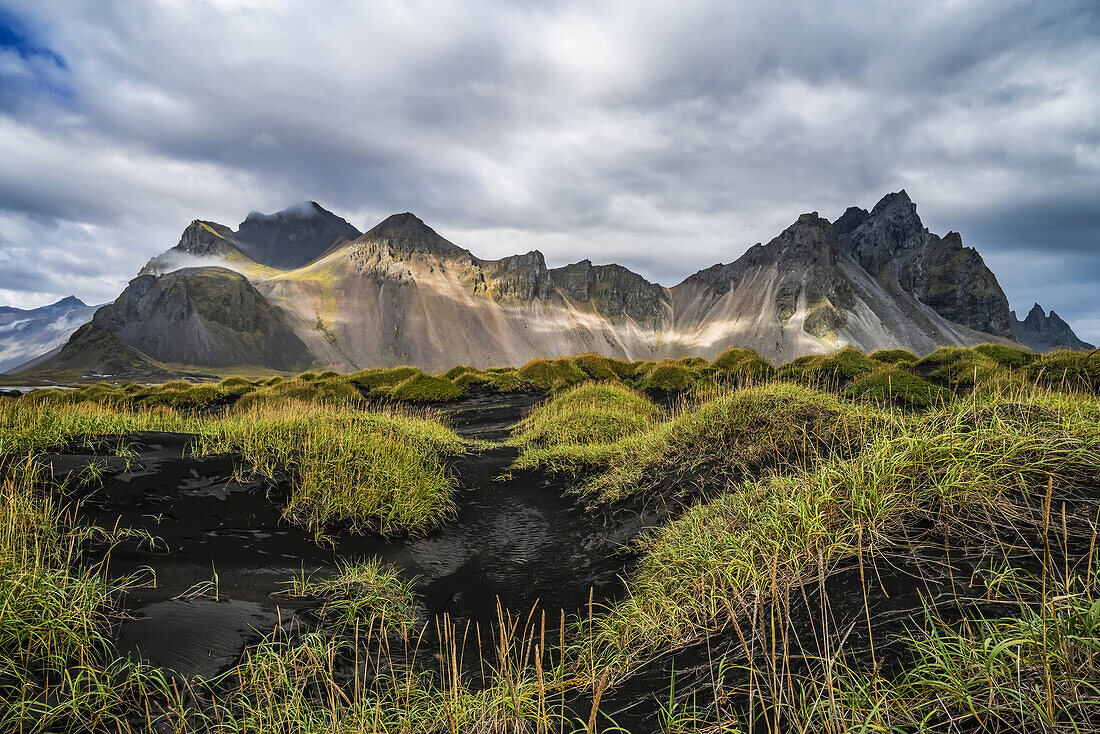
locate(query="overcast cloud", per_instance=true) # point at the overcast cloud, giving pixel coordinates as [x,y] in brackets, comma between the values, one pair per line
[663,136]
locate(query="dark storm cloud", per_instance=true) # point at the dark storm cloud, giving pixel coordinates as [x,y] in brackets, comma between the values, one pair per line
[664,136]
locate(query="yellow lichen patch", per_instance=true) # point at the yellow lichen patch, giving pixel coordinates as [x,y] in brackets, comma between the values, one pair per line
[211,230]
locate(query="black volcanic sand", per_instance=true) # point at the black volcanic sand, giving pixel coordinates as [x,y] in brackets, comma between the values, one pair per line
[524,541]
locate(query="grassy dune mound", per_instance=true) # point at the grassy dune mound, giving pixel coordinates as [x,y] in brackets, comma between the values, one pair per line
[336,391]
[768,535]
[344,465]
[894,356]
[552,374]
[743,363]
[424,389]
[719,441]
[899,387]
[669,375]
[1067,370]
[595,413]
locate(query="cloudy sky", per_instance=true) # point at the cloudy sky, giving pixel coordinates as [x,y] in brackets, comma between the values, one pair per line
[663,136]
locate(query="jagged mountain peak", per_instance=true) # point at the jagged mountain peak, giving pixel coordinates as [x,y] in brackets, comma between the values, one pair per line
[896,200]
[852,217]
[301,210]
[1043,332]
[408,233]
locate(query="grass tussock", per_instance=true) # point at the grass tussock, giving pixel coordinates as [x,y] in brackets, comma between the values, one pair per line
[743,363]
[895,356]
[552,374]
[594,413]
[362,469]
[424,389]
[669,375]
[57,670]
[721,440]
[897,386]
[359,593]
[766,536]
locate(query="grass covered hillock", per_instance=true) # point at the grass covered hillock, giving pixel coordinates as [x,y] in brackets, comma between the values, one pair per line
[743,363]
[344,465]
[552,374]
[898,387]
[669,375]
[706,445]
[962,463]
[594,413]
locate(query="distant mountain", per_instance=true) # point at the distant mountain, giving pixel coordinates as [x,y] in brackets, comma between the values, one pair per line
[1043,333]
[27,334]
[303,287]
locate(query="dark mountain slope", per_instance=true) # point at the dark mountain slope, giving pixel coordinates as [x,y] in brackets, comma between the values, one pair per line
[210,317]
[895,248]
[293,237]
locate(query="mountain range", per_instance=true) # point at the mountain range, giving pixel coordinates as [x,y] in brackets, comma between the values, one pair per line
[28,334]
[304,288]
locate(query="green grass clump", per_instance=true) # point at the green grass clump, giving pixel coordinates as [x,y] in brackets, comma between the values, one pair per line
[897,386]
[1007,356]
[552,374]
[509,381]
[744,363]
[362,592]
[845,365]
[459,370]
[328,392]
[57,670]
[895,356]
[765,536]
[959,367]
[1034,665]
[802,369]
[735,434]
[668,375]
[28,427]
[599,367]
[376,381]
[1067,369]
[345,466]
[594,413]
[423,388]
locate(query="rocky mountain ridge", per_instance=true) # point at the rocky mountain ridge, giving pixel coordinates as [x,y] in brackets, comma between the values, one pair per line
[1044,332]
[400,293]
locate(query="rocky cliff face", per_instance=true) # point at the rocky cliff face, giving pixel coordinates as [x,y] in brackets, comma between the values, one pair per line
[893,246]
[1044,333]
[810,290]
